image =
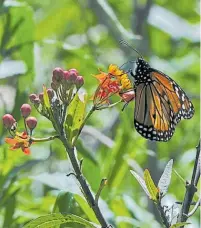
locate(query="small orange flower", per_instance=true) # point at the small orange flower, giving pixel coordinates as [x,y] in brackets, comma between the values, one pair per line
[113,82]
[20,141]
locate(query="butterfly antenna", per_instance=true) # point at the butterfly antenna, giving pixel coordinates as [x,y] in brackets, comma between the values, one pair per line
[125,43]
[130,61]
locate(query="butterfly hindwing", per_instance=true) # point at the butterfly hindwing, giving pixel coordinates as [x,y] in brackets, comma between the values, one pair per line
[153,115]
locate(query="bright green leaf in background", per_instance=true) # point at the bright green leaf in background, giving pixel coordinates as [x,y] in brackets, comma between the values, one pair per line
[58,219]
[180,224]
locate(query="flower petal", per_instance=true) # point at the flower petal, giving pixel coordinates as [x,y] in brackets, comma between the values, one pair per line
[11,141]
[26,150]
[101,77]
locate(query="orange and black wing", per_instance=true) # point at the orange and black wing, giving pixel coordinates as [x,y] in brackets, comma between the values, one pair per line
[160,105]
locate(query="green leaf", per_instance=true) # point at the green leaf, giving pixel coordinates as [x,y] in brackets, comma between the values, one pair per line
[69,120]
[141,182]
[63,202]
[8,192]
[153,190]
[55,219]
[10,209]
[75,115]
[165,179]
[179,224]
[86,208]
[46,98]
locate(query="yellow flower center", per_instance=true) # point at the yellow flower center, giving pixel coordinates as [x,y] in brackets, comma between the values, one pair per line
[121,77]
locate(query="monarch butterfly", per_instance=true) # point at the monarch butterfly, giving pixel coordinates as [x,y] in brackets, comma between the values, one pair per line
[160,102]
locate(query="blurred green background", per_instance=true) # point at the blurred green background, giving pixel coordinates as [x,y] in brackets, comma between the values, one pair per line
[35,37]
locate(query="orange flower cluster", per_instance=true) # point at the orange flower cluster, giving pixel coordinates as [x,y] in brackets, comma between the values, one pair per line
[114,82]
[20,141]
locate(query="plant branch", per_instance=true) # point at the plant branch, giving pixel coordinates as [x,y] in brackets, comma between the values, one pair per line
[191,189]
[162,213]
[195,208]
[44,139]
[85,187]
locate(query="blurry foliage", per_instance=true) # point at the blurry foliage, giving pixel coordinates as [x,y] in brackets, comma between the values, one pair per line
[40,35]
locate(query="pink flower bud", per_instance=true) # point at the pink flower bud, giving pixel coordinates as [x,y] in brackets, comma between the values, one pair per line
[41,96]
[69,78]
[57,75]
[66,75]
[37,101]
[32,97]
[8,120]
[73,71]
[50,93]
[79,82]
[72,76]
[128,96]
[31,122]
[25,110]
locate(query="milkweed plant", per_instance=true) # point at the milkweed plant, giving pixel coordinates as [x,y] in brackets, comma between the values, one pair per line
[64,105]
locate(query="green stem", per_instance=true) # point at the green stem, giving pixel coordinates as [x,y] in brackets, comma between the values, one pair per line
[25,125]
[83,123]
[163,216]
[109,106]
[44,139]
[83,183]
[64,116]
[191,189]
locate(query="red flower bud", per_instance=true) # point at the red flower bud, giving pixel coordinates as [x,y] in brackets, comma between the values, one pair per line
[41,96]
[50,93]
[66,75]
[58,75]
[73,71]
[128,96]
[8,120]
[72,76]
[79,82]
[37,101]
[31,122]
[25,110]
[32,97]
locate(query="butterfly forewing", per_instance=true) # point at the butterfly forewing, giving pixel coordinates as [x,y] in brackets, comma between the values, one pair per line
[180,102]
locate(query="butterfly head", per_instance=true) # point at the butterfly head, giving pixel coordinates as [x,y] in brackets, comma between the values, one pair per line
[142,70]
[141,64]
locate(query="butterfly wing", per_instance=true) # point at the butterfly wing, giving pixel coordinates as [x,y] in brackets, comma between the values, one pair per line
[160,105]
[182,106]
